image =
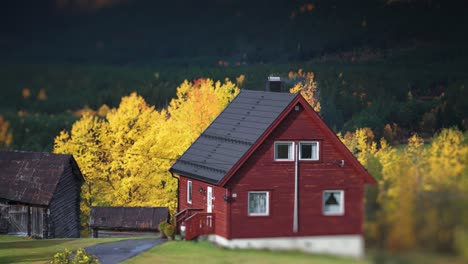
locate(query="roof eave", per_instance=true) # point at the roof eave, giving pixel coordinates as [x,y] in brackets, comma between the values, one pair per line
[75,166]
[193,176]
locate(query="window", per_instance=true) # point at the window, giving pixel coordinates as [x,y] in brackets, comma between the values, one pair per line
[309,150]
[333,202]
[189,192]
[284,151]
[258,203]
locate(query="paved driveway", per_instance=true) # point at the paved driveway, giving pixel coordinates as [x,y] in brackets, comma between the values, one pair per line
[116,252]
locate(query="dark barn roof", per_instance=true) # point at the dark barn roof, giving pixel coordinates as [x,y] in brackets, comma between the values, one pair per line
[32,178]
[231,135]
[129,218]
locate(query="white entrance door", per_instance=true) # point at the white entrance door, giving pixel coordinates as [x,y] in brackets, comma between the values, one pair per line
[209,199]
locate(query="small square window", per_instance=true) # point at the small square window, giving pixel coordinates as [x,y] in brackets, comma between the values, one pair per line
[333,202]
[258,203]
[189,192]
[309,150]
[284,151]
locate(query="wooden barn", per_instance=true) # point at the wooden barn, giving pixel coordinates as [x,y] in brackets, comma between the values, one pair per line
[269,173]
[127,221]
[40,194]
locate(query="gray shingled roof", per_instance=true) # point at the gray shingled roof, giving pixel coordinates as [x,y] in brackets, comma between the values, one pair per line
[231,135]
[31,177]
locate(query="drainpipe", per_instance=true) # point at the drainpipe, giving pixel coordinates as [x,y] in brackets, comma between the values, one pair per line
[296,176]
[178,185]
[228,205]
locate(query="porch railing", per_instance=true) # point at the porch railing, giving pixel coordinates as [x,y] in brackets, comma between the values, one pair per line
[199,224]
[184,214]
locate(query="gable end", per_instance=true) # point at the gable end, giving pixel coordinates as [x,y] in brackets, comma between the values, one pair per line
[328,134]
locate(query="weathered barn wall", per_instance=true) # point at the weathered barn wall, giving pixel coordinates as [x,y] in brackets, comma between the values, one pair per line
[127,221]
[38,223]
[17,219]
[23,220]
[40,193]
[64,218]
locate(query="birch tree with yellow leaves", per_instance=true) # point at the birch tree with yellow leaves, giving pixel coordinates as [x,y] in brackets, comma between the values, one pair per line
[125,155]
[307,87]
[421,194]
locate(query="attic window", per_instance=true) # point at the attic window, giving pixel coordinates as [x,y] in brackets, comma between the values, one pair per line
[284,150]
[103,219]
[309,150]
[333,202]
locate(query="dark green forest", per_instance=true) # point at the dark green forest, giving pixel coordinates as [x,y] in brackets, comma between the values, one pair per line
[376,62]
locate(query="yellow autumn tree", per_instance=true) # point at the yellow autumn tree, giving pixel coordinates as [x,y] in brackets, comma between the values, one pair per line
[196,106]
[84,142]
[124,126]
[421,200]
[125,156]
[198,103]
[6,136]
[401,178]
[307,87]
[444,183]
[447,158]
[42,95]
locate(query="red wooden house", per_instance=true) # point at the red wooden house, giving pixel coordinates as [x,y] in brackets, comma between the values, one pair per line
[269,173]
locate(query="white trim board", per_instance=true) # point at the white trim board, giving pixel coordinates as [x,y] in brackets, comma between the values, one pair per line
[339,245]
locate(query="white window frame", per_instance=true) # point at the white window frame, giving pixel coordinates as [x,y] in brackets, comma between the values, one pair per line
[291,150]
[267,213]
[189,192]
[309,142]
[341,203]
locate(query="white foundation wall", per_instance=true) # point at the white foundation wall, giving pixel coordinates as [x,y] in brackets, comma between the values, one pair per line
[340,245]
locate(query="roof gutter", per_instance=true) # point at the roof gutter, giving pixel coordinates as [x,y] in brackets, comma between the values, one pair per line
[194,176]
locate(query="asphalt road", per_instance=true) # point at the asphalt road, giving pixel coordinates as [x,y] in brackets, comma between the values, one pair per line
[116,252]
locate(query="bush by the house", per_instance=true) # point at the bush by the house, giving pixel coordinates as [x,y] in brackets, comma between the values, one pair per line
[80,257]
[162,227]
[169,231]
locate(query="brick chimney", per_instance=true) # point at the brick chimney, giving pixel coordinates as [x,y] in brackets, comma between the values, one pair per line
[274,84]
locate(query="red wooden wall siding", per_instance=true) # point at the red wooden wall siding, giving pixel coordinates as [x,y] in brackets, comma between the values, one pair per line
[261,172]
[199,201]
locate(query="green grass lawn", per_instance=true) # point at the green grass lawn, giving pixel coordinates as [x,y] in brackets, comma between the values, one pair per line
[205,252]
[23,250]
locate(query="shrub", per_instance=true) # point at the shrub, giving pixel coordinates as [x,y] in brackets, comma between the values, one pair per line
[169,231]
[461,243]
[162,227]
[80,257]
[62,257]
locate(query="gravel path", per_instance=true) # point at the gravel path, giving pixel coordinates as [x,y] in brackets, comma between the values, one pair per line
[116,252]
